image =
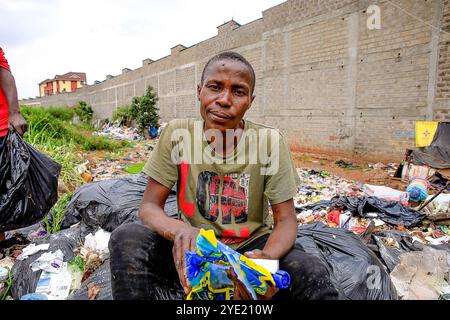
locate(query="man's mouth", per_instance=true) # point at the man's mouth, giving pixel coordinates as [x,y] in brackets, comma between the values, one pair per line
[220,116]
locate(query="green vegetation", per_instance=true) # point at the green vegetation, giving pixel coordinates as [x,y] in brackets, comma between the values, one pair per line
[52,127]
[50,130]
[77,263]
[84,112]
[144,111]
[8,285]
[57,214]
[122,115]
[135,168]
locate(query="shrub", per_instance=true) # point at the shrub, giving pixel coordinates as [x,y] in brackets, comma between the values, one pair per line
[84,112]
[144,111]
[122,115]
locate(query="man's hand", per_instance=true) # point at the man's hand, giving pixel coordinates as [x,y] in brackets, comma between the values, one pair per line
[185,240]
[257,254]
[17,121]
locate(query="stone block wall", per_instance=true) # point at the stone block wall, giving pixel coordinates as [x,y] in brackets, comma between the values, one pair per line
[326,80]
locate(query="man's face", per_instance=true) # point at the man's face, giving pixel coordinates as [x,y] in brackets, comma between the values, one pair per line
[225,95]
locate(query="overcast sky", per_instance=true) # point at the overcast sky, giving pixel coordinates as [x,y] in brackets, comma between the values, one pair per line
[42,38]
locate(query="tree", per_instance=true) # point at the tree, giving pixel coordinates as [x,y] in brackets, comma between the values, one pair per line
[144,111]
[84,112]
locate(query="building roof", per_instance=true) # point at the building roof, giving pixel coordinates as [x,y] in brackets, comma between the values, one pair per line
[69,76]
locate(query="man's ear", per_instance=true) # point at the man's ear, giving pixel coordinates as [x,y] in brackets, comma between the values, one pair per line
[199,88]
[251,102]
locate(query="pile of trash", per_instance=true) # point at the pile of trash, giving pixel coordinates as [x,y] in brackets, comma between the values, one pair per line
[372,239]
[73,264]
[119,132]
[116,164]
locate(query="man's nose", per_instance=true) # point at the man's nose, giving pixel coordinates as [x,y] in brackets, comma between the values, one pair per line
[225,98]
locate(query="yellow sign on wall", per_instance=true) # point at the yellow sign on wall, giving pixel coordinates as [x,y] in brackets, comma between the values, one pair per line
[425,131]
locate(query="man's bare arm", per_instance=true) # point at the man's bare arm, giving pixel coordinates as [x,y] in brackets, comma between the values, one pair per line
[152,214]
[8,86]
[284,233]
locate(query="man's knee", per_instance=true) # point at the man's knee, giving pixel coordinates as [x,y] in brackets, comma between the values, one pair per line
[129,236]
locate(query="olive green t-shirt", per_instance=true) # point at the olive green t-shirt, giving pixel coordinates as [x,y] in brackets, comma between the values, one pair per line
[227,194]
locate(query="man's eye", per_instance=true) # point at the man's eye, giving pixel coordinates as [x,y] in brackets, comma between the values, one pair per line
[239,92]
[214,87]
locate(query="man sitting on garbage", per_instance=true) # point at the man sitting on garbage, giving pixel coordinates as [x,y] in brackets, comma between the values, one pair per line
[219,187]
[10,115]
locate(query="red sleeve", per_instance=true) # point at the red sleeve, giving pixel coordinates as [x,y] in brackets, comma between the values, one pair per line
[3,62]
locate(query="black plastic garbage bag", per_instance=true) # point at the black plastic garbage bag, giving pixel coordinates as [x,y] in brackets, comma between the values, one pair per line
[316,206]
[101,278]
[392,244]
[24,279]
[110,203]
[392,212]
[354,269]
[28,183]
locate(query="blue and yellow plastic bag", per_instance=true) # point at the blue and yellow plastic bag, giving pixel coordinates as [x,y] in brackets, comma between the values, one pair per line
[207,271]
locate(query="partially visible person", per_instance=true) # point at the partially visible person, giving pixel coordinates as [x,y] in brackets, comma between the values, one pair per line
[10,116]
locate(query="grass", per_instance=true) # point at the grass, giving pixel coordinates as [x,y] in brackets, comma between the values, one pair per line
[9,285]
[50,130]
[57,213]
[135,168]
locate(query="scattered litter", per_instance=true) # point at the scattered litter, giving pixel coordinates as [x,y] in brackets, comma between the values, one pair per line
[4,272]
[92,291]
[344,164]
[32,249]
[417,189]
[387,193]
[34,296]
[120,133]
[49,261]
[420,275]
[439,208]
[98,244]
[56,286]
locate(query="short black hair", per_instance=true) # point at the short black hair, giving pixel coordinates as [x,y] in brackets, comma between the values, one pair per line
[231,55]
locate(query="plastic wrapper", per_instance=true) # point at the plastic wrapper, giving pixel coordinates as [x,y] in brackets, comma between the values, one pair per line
[24,279]
[28,183]
[207,271]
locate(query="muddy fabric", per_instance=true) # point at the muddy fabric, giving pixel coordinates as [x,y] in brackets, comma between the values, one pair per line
[229,195]
[392,212]
[437,155]
[136,272]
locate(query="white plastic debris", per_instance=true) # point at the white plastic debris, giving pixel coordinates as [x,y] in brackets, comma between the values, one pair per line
[82,167]
[7,262]
[3,273]
[32,249]
[49,261]
[441,240]
[98,243]
[378,222]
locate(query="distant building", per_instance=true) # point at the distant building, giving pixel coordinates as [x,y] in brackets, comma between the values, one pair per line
[68,82]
